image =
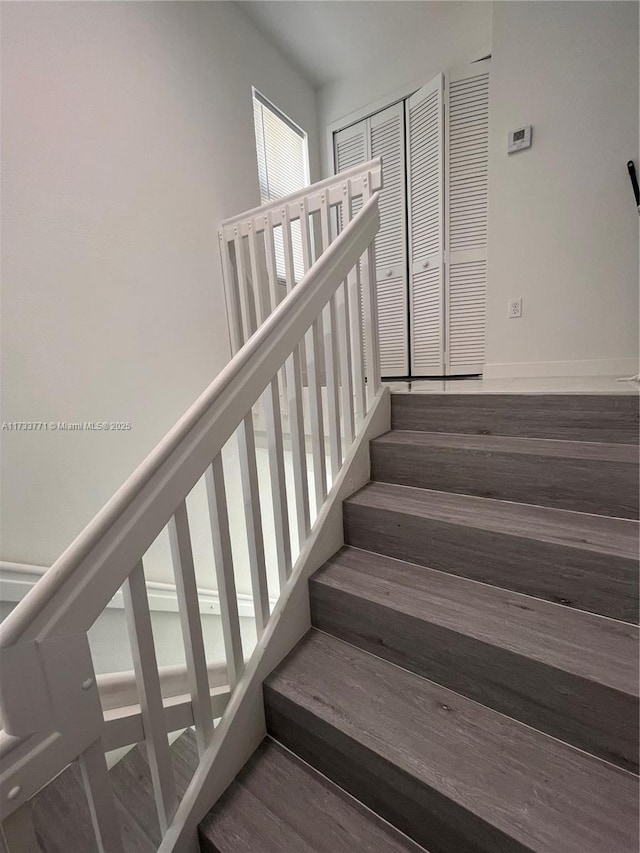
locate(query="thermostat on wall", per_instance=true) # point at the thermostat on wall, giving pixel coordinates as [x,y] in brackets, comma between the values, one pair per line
[519,139]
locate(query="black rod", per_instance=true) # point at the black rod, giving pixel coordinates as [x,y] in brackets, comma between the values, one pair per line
[634,181]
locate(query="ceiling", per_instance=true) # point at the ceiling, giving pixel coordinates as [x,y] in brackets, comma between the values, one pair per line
[326,39]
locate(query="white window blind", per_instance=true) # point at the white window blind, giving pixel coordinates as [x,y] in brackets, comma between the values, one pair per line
[283,168]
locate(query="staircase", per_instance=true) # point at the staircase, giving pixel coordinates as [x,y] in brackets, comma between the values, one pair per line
[470,682]
[467,681]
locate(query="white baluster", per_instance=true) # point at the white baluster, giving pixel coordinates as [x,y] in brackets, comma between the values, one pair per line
[294,394]
[344,337]
[243,286]
[370,306]
[275,288]
[225,578]
[331,355]
[270,255]
[188,604]
[273,419]
[259,294]
[371,323]
[102,807]
[253,522]
[145,665]
[231,296]
[312,347]
[357,343]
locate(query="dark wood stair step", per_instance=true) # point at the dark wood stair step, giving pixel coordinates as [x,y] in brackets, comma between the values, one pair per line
[585,561]
[449,772]
[574,475]
[569,673]
[574,417]
[278,804]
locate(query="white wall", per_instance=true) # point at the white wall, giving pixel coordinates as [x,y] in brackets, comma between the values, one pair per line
[445,35]
[563,229]
[127,137]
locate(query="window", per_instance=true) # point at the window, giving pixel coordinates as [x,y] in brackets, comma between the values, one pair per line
[283,168]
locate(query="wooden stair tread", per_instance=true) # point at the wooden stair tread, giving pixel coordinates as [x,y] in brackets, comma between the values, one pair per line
[545,796]
[571,558]
[594,647]
[579,417]
[588,532]
[278,804]
[577,476]
[583,450]
[570,674]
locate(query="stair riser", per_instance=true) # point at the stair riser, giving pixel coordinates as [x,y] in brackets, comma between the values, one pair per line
[425,815]
[594,718]
[570,417]
[604,488]
[591,581]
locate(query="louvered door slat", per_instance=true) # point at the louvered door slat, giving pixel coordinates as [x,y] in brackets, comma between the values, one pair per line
[425,176]
[387,142]
[382,135]
[352,148]
[467,315]
[467,196]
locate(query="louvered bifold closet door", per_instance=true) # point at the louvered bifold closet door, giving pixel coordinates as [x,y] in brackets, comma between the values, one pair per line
[351,148]
[425,181]
[467,155]
[382,135]
[387,142]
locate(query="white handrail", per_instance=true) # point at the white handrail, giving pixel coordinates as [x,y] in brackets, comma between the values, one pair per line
[222,405]
[332,183]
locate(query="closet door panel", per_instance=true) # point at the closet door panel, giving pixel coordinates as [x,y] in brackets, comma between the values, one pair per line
[387,142]
[425,181]
[351,148]
[467,154]
[467,281]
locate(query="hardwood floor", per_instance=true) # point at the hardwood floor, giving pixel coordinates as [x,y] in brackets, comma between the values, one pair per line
[61,814]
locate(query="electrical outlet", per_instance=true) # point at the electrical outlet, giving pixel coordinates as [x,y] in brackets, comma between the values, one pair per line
[514,309]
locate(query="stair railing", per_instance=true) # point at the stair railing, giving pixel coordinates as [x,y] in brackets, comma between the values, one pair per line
[50,704]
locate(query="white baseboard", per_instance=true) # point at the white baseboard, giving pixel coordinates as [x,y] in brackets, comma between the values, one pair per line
[16,579]
[581,367]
